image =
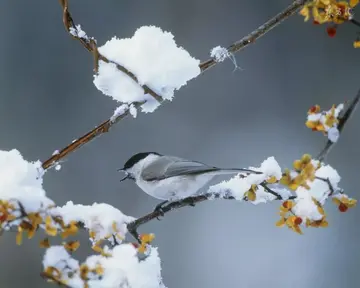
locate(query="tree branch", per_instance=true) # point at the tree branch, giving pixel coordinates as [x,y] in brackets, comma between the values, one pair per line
[342,121]
[189,201]
[90,45]
[133,226]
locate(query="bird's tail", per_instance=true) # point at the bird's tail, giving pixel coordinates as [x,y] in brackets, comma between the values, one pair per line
[220,171]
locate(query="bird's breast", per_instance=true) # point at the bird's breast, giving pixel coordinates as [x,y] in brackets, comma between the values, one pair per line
[174,188]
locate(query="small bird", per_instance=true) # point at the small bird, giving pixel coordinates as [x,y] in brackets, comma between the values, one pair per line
[171,178]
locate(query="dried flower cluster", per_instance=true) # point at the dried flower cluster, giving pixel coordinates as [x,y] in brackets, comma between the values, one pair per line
[332,12]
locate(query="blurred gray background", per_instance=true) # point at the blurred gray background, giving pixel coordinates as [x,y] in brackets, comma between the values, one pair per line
[221,118]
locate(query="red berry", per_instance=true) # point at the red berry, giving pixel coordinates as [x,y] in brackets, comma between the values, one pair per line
[313,109]
[343,207]
[331,31]
[298,221]
[136,245]
[3,218]
[316,22]
[342,9]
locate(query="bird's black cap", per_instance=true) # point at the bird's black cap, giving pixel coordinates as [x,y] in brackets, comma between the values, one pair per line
[136,158]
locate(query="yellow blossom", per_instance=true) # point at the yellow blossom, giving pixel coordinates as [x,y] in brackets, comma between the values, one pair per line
[49,229]
[344,203]
[305,12]
[53,273]
[99,269]
[45,243]
[293,223]
[70,230]
[357,44]
[251,194]
[271,180]
[84,270]
[19,236]
[71,246]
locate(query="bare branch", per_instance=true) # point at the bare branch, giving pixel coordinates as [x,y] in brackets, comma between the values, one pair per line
[259,32]
[204,66]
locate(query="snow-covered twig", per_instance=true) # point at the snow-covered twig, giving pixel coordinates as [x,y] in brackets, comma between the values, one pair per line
[342,121]
[204,66]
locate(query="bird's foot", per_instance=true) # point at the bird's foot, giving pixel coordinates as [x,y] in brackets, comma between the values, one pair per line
[159,209]
[191,202]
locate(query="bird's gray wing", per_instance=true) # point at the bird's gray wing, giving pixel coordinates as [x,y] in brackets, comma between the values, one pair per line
[169,166]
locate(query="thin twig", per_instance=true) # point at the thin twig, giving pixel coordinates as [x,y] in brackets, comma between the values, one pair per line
[342,121]
[132,227]
[204,66]
[355,22]
[259,32]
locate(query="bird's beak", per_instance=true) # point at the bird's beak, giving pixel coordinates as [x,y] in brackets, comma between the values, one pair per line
[127,176]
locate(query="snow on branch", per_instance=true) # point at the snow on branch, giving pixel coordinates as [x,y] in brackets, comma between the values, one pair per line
[121,267]
[129,109]
[25,208]
[303,189]
[153,56]
[125,70]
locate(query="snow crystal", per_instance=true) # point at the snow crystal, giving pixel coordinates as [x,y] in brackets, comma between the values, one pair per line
[98,218]
[78,32]
[219,53]
[22,181]
[154,58]
[119,111]
[133,110]
[333,134]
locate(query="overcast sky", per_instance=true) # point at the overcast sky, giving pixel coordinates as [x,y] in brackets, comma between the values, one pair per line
[221,118]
